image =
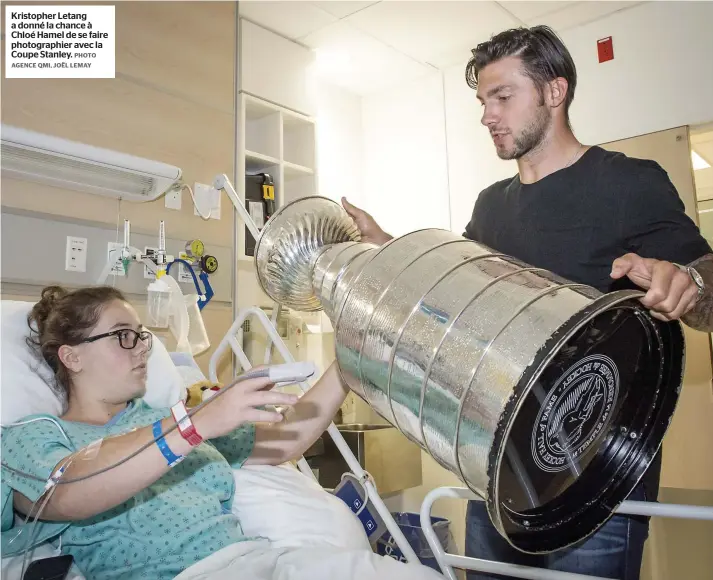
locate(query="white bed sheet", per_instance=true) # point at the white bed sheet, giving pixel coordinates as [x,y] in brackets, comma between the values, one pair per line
[297,518]
[262,561]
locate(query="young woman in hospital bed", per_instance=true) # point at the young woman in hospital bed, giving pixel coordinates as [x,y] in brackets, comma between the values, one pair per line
[143,518]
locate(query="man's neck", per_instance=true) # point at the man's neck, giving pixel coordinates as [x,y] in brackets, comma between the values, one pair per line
[555,152]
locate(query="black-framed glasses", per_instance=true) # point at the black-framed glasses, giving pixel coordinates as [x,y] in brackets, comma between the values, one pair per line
[128,338]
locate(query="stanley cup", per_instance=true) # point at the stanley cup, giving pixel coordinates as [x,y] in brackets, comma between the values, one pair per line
[547,398]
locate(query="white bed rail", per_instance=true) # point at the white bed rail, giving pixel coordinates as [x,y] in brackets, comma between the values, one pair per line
[449,561]
[230,341]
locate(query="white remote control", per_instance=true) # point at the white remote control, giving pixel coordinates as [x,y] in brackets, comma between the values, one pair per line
[289,373]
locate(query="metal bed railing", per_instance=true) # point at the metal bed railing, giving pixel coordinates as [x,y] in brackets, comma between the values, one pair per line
[449,561]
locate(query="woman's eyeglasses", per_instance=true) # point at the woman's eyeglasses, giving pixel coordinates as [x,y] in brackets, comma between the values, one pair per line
[128,338]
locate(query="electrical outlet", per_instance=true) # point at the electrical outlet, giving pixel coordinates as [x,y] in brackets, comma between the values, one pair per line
[207,198]
[75,259]
[114,256]
[174,199]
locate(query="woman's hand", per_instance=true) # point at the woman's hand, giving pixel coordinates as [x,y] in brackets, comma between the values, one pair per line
[240,404]
[286,440]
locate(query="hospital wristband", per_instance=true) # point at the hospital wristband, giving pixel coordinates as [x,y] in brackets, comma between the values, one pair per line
[185,425]
[171,458]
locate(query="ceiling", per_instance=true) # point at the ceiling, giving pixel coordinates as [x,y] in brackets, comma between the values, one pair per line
[366,47]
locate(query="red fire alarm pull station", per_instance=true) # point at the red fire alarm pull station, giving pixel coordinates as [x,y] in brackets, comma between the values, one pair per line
[605,49]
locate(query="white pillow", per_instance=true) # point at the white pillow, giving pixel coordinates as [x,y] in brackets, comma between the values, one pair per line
[291,510]
[164,384]
[26,380]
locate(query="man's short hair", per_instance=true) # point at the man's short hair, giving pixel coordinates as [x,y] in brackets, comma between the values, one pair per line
[544,57]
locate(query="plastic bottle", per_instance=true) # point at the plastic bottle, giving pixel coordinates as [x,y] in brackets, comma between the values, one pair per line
[159,304]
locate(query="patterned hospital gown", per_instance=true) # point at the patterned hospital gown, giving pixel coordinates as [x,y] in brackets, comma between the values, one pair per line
[180,519]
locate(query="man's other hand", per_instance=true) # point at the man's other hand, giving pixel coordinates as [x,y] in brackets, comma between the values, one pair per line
[370,230]
[671,292]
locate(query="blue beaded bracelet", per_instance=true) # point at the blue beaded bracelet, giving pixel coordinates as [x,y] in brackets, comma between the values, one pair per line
[170,456]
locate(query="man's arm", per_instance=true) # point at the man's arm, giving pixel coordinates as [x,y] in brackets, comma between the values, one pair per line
[671,292]
[700,316]
[658,235]
[371,232]
[304,423]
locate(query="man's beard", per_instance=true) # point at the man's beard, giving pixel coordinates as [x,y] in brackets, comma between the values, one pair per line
[530,137]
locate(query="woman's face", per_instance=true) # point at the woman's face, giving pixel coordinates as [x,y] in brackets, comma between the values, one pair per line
[117,373]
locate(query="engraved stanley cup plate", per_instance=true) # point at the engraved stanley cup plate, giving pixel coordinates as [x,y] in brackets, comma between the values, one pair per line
[547,398]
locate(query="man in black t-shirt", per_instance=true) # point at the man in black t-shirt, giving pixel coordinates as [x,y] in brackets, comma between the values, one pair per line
[588,215]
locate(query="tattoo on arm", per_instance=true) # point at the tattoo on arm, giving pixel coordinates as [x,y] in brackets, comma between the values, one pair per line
[701,315]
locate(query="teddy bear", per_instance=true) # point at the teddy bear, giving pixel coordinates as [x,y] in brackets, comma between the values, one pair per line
[199,392]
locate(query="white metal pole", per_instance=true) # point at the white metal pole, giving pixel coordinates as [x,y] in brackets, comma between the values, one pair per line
[276,309]
[666,510]
[222,182]
[513,570]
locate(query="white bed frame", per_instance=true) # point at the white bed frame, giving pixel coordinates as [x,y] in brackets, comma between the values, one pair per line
[232,341]
[449,561]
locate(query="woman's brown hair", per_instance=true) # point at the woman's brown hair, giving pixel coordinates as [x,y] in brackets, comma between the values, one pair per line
[66,317]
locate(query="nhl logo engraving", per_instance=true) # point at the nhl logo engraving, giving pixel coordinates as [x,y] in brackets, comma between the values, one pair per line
[574,413]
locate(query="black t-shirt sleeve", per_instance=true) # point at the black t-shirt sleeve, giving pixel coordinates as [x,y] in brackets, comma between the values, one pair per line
[473,230]
[470,229]
[654,222]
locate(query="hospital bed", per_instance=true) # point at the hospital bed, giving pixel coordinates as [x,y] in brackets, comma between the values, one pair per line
[279,503]
[271,501]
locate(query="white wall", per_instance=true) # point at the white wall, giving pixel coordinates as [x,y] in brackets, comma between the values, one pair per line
[661,77]
[406,177]
[340,154]
[473,163]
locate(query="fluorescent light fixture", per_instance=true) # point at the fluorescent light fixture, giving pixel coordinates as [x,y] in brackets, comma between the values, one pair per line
[698,161]
[43,158]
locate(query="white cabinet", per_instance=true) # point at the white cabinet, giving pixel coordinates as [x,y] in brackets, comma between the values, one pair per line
[275,69]
[280,142]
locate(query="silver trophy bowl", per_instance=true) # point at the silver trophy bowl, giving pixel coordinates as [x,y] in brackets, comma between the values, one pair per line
[547,398]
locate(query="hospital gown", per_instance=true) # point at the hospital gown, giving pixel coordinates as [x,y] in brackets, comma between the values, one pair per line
[180,519]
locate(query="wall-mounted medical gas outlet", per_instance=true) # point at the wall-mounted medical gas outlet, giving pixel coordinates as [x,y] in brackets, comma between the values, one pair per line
[114,256]
[207,200]
[76,255]
[150,252]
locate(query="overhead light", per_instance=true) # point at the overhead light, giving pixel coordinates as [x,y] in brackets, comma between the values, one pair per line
[68,164]
[698,161]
